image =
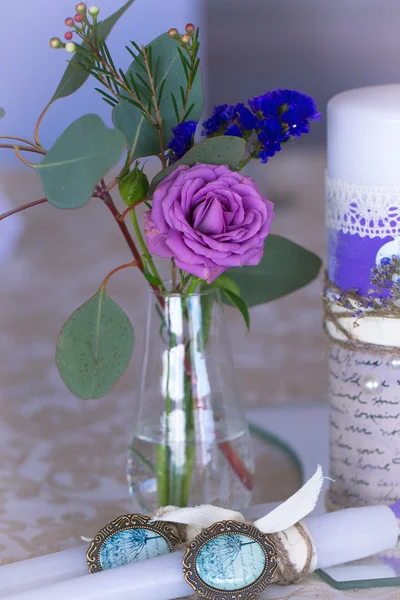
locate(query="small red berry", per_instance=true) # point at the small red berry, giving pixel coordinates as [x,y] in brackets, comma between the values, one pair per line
[68,36]
[78,18]
[69,22]
[190,28]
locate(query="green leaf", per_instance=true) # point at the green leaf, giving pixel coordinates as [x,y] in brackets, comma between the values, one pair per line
[94,347]
[80,157]
[222,150]
[236,301]
[284,268]
[224,282]
[2,113]
[74,77]
[142,136]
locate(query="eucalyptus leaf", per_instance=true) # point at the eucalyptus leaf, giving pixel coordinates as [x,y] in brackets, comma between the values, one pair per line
[74,77]
[284,268]
[94,347]
[238,303]
[2,113]
[142,136]
[222,150]
[80,157]
[224,282]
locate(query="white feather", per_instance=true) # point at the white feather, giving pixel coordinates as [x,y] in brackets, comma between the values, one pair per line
[200,516]
[295,508]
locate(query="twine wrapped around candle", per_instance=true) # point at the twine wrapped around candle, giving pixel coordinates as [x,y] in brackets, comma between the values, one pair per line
[339,305]
[295,549]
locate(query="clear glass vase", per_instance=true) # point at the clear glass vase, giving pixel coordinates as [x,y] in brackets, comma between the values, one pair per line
[191,441]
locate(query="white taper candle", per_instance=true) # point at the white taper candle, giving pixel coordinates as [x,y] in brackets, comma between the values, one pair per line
[342,536]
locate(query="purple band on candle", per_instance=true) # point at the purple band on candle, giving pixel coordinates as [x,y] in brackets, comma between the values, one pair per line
[396,508]
[392,562]
[351,258]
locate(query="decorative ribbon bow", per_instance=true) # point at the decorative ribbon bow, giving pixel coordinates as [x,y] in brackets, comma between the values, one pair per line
[287,514]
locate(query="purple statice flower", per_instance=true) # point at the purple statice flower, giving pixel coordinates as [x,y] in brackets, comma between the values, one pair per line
[274,117]
[221,118]
[182,140]
[264,105]
[245,118]
[234,130]
[297,111]
[282,114]
[271,137]
[230,120]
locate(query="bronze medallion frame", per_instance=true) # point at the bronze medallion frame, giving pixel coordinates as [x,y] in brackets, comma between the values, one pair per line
[166,530]
[223,528]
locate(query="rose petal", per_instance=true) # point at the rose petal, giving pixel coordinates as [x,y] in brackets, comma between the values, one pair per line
[208,273]
[208,217]
[154,239]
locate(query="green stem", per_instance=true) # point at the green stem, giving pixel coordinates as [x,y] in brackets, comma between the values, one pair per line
[190,446]
[244,162]
[193,283]
[163,451]
[144,248]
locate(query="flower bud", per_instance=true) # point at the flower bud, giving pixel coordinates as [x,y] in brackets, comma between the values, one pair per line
[56,43]
[69,22]
[78,18]
[134,186]
[174,33]
[70,47]
[93,11]
[185,38]
[190,28]
[81,8]
[68,36]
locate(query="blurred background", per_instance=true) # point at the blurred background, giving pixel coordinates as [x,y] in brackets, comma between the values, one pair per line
[63,459]
[317,46]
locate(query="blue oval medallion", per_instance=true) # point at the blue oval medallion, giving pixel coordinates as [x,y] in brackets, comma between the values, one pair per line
[132,545]
[230,562]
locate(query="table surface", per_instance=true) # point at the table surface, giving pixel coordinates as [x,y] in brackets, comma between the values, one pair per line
[62,460]
[45,508]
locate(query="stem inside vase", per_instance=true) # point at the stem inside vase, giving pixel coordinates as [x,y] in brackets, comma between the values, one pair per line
[202,453]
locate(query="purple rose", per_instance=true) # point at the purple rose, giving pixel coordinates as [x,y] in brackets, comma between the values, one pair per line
[208,218]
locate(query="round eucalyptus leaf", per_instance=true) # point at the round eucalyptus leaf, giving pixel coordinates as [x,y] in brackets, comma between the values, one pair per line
[94,347]
[222,150]
[79,158]
[284,268]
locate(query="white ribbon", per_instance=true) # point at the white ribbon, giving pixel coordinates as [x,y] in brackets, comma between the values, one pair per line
[287,514]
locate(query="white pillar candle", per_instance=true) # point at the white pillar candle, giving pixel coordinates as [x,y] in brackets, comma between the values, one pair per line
[363,227]
[342,536]
[363,136]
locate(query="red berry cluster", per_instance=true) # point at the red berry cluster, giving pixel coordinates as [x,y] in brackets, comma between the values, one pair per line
[185,38]
[78,23]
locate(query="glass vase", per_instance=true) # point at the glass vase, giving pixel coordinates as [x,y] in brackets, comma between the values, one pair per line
[191,442]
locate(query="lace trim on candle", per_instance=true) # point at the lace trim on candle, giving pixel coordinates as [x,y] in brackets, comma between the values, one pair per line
[367,210]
